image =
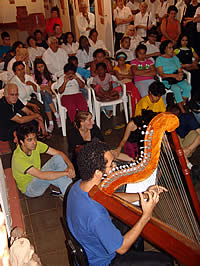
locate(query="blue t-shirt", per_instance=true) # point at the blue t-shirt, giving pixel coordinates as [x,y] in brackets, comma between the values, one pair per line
[91,225]
[4,50]
[169,65]
[187,123]
[83,72]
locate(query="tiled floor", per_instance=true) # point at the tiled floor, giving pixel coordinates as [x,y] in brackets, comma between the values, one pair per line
[42,215]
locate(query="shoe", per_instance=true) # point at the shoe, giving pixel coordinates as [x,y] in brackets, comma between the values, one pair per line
[119,126]
[50,128]
[58,121]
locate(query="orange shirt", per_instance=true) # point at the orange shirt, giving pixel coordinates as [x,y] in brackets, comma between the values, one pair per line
[50,23]
[171,29]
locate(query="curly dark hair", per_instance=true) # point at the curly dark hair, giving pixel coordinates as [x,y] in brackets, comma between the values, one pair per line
[99,51]
[55,8]
[38,76]
[80,41]
[179,41]
[16,64]
[157,88]
[24,130]
[164,45]
[140,47]
[66,36]
[91,158]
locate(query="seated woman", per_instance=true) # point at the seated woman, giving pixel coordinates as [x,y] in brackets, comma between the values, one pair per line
[33,50]
[153,101]
[189,61]
[69,44]
[103,85]
[10,54]
[84,131]
[124,74]
[84,53]
[170,26]
[169,68]
[125,47]
[132,136]
[135,38]
[188,132]
[44,79]
[95,43]
[100,57]
[143,70]
[40,42]
[69,86]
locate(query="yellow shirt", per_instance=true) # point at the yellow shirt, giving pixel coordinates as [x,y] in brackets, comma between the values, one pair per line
[145,103]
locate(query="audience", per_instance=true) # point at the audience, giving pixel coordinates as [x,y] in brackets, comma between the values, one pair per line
[144,20]
[122,17]
[44,79]
[5,46]
[54,19]
[170,70]
[100,57]
[69,86]
[34,51]
[85,19]
[14,113]
[95,43]
[135,38]
[39,40]
[54,57]
[189,60]
[84,131]
[170,26]
[84,53]
[69,44]
[153,101]
[143,70]
[32,179]
[125,47]
[124,74]
[57,32]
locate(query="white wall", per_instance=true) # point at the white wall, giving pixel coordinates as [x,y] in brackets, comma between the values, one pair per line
[8,11]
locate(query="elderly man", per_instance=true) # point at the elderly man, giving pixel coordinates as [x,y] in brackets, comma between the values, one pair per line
[85,20]
[10,107]
[144,20]
[54,57]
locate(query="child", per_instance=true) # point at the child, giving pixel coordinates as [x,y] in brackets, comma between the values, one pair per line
[43,78]
[124,74]
[69,86]
[102,83]
[143,70]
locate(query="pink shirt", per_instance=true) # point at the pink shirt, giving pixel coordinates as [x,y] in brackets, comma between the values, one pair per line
[44,80]
[142,65]
[105,84]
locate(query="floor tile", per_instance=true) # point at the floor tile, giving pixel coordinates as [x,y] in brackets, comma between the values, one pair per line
[50,241]
[58,258]
[28,224]
[24,206]
[41,204]
[45,220]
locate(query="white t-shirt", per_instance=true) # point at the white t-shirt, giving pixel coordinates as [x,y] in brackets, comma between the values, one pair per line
[55,61]
[152,7]
[125,12]
[162,10]
[130,54]
[197,13]
[84,58]
[142,20]
[24,90]
[152,48]
[135,40]
[132,6]
[72,86]
[70,49]
[83,23]
[35,52]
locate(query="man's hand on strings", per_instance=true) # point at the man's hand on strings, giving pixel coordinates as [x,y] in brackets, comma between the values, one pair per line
[149,204]
[157,189]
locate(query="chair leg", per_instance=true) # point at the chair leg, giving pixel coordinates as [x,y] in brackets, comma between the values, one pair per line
[98,114]
[129,105]
[63,121]
[126,111]
[114,110]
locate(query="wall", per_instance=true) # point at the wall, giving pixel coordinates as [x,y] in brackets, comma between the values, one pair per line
[8,11]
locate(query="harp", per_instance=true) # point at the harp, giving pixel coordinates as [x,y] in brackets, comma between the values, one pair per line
[174,227]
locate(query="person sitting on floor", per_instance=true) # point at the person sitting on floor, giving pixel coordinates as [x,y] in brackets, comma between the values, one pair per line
[188,131]
[91,224]
[153,101]
[11,109]
[31,179]
[100,57]
[69,86]
[103,85]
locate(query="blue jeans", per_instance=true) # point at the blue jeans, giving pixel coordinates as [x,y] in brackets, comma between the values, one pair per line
[37,186]
[47,99]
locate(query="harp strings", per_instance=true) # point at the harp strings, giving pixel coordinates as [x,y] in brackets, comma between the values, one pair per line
[174,207]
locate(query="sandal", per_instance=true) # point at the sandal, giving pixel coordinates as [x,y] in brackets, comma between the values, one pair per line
[108,132]
[119,126]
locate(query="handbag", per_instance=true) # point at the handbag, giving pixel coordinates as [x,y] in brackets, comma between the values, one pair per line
[172,81]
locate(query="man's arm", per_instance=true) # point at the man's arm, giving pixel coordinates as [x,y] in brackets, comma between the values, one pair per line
[70,169]
[46,175]
[25,119]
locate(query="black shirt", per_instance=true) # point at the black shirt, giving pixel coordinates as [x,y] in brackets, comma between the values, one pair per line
[7,112]
[42,44]
[60,39]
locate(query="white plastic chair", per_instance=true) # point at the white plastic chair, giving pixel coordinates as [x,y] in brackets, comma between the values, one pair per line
[98,104]
[63,110]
